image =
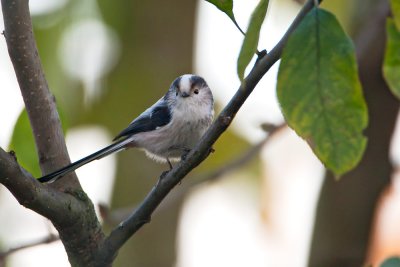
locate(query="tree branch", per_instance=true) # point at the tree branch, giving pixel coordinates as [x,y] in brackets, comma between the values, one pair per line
[71,213]
[115,216]
[34,195]
[39,102]
[69,209]
[168,181]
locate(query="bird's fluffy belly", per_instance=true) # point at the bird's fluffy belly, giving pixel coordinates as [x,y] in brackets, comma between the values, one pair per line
[172,140]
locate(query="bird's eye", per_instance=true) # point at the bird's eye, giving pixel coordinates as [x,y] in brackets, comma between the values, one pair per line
[196,91]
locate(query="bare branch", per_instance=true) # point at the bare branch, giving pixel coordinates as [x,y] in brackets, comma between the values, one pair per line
[45,240]
[65,210]
[242,159]
[168,180]
[34,195]
[69,209]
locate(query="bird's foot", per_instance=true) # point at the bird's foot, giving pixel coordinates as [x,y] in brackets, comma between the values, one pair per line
[211,150]
[170,164]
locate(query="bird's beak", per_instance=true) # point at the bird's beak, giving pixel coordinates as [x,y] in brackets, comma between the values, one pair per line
[184,94]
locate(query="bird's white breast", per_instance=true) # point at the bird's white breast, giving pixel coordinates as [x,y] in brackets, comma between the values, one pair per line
[189,122]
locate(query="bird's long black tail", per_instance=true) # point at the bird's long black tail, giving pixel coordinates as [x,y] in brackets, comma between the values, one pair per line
[115,147]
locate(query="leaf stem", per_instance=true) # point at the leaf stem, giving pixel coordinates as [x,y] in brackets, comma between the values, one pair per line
[238,27]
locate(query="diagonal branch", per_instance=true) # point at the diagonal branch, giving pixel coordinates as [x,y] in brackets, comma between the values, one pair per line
[166,182]
[71,213]
[115,216]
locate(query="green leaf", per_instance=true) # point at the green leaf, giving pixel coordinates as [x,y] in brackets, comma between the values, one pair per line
[391,65]
[250,42]
[395,6]
[320,93]
[226,6]
[23,144]
[391,262]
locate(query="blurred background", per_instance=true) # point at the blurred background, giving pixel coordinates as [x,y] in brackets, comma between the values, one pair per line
[107,61]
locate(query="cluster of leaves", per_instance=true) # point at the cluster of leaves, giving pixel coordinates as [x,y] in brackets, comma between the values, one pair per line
[318,86]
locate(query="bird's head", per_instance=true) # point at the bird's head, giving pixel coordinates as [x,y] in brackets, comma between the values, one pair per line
[190,89]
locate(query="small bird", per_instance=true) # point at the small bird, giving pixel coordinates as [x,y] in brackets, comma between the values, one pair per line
[166,131]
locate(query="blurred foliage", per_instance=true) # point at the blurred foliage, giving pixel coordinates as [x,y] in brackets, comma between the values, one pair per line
[23,144]
[391,65]
[155,47]
[351,14]
[323,101]
[395,8]
[391,262]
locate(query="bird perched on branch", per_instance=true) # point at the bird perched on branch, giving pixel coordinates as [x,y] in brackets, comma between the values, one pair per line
[167,130]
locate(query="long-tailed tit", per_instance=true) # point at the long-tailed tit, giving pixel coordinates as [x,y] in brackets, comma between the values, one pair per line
[167,130]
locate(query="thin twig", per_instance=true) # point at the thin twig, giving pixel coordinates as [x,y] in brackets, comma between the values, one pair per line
[142,214]
[241,160]
[45,240]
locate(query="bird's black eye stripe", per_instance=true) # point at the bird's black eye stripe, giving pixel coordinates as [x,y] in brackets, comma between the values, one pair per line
[198,81]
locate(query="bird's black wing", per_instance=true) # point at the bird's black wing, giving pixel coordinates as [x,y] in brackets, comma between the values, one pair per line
[156,116]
